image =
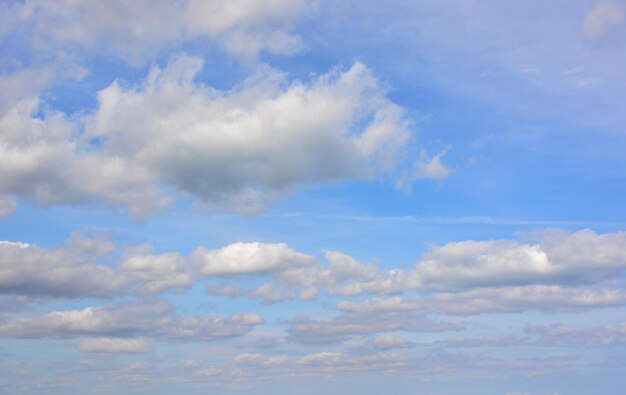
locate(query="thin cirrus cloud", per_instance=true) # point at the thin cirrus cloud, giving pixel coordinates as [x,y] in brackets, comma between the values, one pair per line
[239,149]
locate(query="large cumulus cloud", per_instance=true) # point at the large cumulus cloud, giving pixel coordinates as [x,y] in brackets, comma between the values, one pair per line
[237,149]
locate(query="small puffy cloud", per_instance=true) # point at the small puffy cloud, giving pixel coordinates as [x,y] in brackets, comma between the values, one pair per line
[249,259]
[605,18]
[107,345]
[425,167]
[155,273]
[346,276]
[70,271]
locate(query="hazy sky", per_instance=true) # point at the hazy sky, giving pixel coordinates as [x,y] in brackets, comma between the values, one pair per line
[313,196]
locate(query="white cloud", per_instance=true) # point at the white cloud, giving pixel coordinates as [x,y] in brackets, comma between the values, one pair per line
[581,257]
[242,149]
[156,273]
[239,149]
[69,271]
[561,271]
[42,159]
[112,320]
[249,259]
[107,345]
[430,168]
[156,319]
[605,18]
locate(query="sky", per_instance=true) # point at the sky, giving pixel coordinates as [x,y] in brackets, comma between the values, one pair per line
[313,196]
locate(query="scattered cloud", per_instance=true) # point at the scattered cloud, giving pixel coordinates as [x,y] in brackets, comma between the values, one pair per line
[156,273]
[425,167]
[249,259]
[70,271]
[560,257]
[563,336]
[551,298]
[129,319]
[305,330]
[107,345]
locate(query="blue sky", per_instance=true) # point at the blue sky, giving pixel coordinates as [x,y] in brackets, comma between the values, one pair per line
[299,196]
